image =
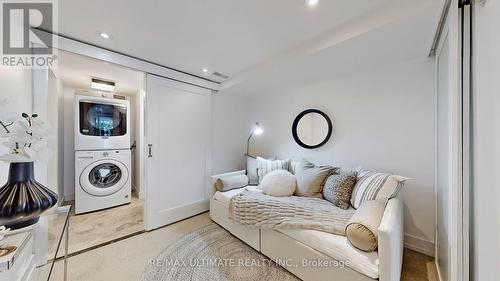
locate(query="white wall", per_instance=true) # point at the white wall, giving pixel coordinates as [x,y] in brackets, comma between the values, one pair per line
[485,220]
[16,86]
[44,100]
[47,103]
[69,142]
[231,128]
[137,106]
[40,92]
[53,164]
[383,119]
[60,140]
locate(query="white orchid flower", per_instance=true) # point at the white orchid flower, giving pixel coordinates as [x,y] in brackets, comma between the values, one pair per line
[31,153]
[10,145]
[3,133]
[26,137]
[15,158]
[21,136]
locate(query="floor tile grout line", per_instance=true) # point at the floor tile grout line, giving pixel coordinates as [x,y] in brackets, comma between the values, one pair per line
[99,245]
[117,240]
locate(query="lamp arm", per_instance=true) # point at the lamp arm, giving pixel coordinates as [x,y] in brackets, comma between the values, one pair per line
[248,143]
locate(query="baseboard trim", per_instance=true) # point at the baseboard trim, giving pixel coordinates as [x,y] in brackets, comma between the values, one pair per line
[69,197]
[169,216]
[137,192]
[438,272]
[419,245]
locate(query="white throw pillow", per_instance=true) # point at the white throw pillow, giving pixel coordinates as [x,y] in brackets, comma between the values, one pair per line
[279,183]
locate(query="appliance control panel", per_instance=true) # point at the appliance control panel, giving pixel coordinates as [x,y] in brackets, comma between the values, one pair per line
[85,155]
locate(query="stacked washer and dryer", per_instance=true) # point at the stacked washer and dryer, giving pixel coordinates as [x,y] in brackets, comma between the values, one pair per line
[102,153]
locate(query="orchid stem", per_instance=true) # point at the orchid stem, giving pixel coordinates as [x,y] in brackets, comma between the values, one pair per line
[5,126]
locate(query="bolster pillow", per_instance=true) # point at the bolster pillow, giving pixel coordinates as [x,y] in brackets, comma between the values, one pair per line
[232,182]
[362,228]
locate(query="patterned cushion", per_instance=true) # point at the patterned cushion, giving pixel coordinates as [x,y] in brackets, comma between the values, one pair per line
[338,188]
[265,166]
[375,186]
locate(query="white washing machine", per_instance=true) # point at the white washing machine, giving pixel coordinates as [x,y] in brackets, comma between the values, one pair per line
[101,123]
[102,179]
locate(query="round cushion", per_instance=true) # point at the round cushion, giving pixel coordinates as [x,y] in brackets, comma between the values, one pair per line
[362,228]
[279,183]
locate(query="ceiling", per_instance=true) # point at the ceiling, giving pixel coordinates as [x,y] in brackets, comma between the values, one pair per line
[258,43]
[76,71]
[406,38]
[227,36]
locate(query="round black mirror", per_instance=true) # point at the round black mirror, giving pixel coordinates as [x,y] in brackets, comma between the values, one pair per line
[312,128]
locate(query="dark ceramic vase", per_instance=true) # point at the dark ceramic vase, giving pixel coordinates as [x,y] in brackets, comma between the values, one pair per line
[22,198]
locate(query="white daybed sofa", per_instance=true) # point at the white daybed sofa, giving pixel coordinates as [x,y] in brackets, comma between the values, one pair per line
[297,245]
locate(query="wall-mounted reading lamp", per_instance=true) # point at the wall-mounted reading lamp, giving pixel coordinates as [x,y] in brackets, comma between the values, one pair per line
[257,130]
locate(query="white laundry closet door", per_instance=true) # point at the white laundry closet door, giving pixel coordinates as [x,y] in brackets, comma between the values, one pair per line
[178,133]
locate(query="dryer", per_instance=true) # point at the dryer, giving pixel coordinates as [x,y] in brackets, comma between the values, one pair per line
[101,123]
[102,179]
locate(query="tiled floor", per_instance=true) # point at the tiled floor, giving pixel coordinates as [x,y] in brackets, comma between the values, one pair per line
[126,259]
[91,229]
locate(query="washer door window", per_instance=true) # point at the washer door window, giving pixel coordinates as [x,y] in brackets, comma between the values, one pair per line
[104,177]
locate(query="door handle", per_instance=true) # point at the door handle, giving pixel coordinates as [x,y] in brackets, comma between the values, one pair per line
[150,154]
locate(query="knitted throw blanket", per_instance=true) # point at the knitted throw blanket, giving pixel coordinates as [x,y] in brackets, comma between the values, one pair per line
[260,210]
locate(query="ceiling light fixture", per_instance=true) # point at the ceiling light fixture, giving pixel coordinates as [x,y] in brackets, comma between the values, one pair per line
[312,3]
[102,85]
[205,70]
[104,35]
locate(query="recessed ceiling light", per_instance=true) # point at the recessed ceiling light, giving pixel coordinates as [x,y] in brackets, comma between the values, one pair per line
[104,35]
[205,70]
[312,3]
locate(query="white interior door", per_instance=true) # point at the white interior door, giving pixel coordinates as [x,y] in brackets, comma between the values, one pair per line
[444,160]
[449,176]
[178,132]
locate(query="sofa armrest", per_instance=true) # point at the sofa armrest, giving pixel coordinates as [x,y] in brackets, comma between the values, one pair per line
[222,176]
[391,241]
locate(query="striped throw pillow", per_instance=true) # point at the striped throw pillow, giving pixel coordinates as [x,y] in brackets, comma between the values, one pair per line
[371,185]
[265,166]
